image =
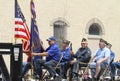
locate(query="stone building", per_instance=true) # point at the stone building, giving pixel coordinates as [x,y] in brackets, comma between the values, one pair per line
[68,19]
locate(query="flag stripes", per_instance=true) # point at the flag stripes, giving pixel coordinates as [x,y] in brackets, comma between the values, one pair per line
[21,28]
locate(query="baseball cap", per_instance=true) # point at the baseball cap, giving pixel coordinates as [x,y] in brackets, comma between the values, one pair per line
[52,38]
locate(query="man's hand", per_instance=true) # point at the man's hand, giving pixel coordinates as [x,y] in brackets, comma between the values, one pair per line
[93,60]
[72,53]
[24,51]
[72,62]
[100,61]
[34,54]
[40,54]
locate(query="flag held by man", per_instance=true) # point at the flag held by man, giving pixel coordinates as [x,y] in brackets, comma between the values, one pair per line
[35,40]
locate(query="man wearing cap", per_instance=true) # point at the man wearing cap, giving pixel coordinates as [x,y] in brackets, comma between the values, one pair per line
[82,55]
[100,60]
[112,54]
[52,54]
[65,62]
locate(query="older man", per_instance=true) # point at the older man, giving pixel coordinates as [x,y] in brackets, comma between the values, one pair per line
[82,55]
[100,60]
[52,57]
[112,54]
[65,62]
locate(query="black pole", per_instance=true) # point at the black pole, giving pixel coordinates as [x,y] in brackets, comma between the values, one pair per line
[5,49]
[4,70]
[16,63]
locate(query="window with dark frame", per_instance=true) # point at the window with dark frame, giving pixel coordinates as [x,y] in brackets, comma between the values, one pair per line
[94,29]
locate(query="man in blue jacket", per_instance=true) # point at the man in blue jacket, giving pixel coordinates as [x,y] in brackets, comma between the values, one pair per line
[52,54]
[112,63]
[112,54]
[65,62]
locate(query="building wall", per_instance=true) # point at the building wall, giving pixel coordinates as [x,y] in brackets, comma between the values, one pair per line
[76,13]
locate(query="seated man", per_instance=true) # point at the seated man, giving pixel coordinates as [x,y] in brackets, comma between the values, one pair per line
[30,64]
[26,65]
[65,62]
[100,60]
[114,65]
[112,54]
[82,55]
[52,57]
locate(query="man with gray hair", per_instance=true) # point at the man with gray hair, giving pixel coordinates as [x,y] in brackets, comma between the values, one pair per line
[82,55]
[65,62]
[100,60]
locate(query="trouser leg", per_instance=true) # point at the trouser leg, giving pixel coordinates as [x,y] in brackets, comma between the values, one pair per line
[114,65]
[117,65]
[92,67]
[113,69]
[26,67]
[75,67]
[38,66]
[50,65]
[64,69]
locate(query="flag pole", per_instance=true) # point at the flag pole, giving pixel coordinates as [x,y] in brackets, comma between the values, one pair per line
[31,48]
[14,21]
[35,40]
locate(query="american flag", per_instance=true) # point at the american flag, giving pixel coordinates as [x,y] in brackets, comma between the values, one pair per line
[21,28]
